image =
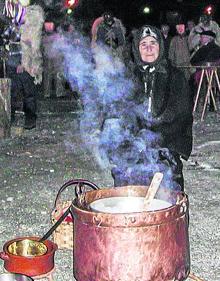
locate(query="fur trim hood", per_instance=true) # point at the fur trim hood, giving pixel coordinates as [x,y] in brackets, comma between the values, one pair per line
[31,35]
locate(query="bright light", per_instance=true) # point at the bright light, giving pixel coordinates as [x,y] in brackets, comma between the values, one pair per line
[146,10]
[209,10]
[69,11]
[71,2]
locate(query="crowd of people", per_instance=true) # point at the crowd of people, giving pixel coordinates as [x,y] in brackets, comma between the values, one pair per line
[160,102]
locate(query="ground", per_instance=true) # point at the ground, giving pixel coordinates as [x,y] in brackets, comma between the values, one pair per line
[34,164]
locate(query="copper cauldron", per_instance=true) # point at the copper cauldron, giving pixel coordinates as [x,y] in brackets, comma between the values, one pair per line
[138,246]
[37,260]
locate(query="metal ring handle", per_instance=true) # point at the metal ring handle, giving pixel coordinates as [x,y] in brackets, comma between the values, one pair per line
[79,191]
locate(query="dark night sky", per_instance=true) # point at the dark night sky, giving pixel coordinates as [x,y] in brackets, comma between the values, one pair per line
[131,11]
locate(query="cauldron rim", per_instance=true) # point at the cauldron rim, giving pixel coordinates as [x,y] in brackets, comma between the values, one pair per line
[137,218]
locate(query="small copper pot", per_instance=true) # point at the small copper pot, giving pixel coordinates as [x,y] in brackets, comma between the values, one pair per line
[29,265]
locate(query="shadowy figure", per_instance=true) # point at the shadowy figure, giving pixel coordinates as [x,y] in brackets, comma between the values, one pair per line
[179,54]
[109,31]
[24,65]
[165,29]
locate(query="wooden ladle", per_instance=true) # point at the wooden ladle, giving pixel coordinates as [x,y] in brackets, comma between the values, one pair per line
[152,190]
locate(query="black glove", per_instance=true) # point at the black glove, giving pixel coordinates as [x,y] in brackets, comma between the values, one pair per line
[166,154]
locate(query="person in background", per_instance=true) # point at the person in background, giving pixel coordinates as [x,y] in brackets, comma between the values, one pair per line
[53,84]
[208,52]
[205,23]
[157,115]
[73,37]
[2,27]
[179,54]
[167,38]
[189,26]
[127,50]
[110,32]
[71,33]
[24,65]
[2,49]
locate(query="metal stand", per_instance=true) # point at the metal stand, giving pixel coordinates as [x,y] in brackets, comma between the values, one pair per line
[210,73]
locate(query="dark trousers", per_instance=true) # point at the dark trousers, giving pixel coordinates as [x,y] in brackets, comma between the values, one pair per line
[177,168]
[23,83]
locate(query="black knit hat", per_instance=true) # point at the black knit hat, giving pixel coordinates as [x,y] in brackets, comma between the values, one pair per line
[179,20]
[148,31]
[208,33]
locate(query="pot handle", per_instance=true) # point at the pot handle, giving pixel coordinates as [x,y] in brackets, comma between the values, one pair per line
[4,256]
[181,199]
[79,183]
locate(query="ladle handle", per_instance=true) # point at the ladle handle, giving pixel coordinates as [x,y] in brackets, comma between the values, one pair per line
[152,190]
[58,222]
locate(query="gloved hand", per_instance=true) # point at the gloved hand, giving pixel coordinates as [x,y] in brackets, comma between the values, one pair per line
[166,154]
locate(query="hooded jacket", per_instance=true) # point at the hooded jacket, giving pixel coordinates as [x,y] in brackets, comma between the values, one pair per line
[163,90]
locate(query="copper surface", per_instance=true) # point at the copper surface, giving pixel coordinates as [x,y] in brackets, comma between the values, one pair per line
[145,246]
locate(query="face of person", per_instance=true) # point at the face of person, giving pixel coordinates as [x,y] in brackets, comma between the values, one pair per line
[165,29]
[108,19]
[180,28]
[149,49]
[190,25]
[49,26]
[71,28]
[205,39]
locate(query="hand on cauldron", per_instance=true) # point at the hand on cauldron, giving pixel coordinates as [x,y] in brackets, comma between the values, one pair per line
[166,155]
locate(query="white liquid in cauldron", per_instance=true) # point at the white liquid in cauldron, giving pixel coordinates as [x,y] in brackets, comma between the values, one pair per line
[117,205]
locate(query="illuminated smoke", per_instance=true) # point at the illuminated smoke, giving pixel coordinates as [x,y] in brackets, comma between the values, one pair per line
[109,120]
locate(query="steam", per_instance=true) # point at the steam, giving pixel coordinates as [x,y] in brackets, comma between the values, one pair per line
[109,120]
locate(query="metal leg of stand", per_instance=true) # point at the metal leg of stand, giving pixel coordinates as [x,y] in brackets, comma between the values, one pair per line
[208,92]
[213,99]
[211,91]
[217,80]
[198,90]
[4,68]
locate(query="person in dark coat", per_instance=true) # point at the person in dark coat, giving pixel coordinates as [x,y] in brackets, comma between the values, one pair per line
[155,122]
[209,51]
[111,31]
[165,29]
[24,64]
